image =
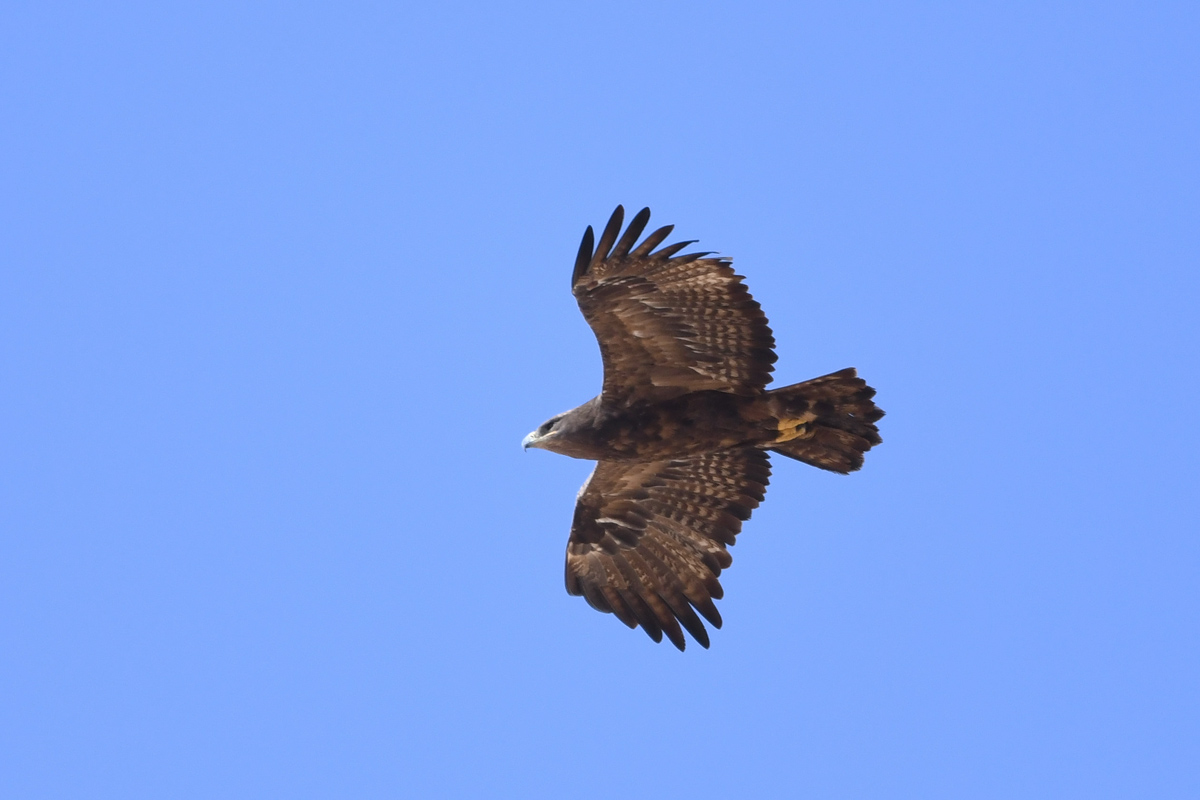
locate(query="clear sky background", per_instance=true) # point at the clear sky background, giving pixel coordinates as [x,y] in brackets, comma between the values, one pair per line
[284,286]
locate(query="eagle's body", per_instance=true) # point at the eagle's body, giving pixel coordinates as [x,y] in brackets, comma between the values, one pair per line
[682,428]
[699,422]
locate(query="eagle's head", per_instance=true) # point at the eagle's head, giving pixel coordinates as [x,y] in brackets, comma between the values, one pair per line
[544,436]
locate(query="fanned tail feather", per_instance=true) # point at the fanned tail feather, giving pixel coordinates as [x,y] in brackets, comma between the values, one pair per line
[828,422]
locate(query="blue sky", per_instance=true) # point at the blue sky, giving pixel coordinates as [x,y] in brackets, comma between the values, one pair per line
[284,285]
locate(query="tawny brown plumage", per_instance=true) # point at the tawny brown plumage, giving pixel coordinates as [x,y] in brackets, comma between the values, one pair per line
[682,427]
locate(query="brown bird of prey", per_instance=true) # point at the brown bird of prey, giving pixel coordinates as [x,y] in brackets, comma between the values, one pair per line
[682,428]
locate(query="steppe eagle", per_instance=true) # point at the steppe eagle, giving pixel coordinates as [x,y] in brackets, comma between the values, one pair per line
[682,428]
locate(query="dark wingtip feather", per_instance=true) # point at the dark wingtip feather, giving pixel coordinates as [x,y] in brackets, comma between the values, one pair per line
[672,249]
[688,258]
[584,258]
[675,633]
[636,226]
[654,633]
[690,621]
[708,609]
[639,609]
[652,241]
[610,234]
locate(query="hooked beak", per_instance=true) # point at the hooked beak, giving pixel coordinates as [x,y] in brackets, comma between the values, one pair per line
[528,441]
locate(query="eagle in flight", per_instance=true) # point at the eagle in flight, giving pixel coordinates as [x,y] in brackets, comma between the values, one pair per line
[682,428]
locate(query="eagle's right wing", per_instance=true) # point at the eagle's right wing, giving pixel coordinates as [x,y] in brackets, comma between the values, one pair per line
[668,324]
[649,539]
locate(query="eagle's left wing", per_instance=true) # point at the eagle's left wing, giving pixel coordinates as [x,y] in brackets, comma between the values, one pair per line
[649,539]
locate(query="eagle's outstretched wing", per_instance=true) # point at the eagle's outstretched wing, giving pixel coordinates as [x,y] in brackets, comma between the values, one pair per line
[649,538]
[668,324]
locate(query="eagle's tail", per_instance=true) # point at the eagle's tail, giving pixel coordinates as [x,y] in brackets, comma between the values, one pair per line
[828,422]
